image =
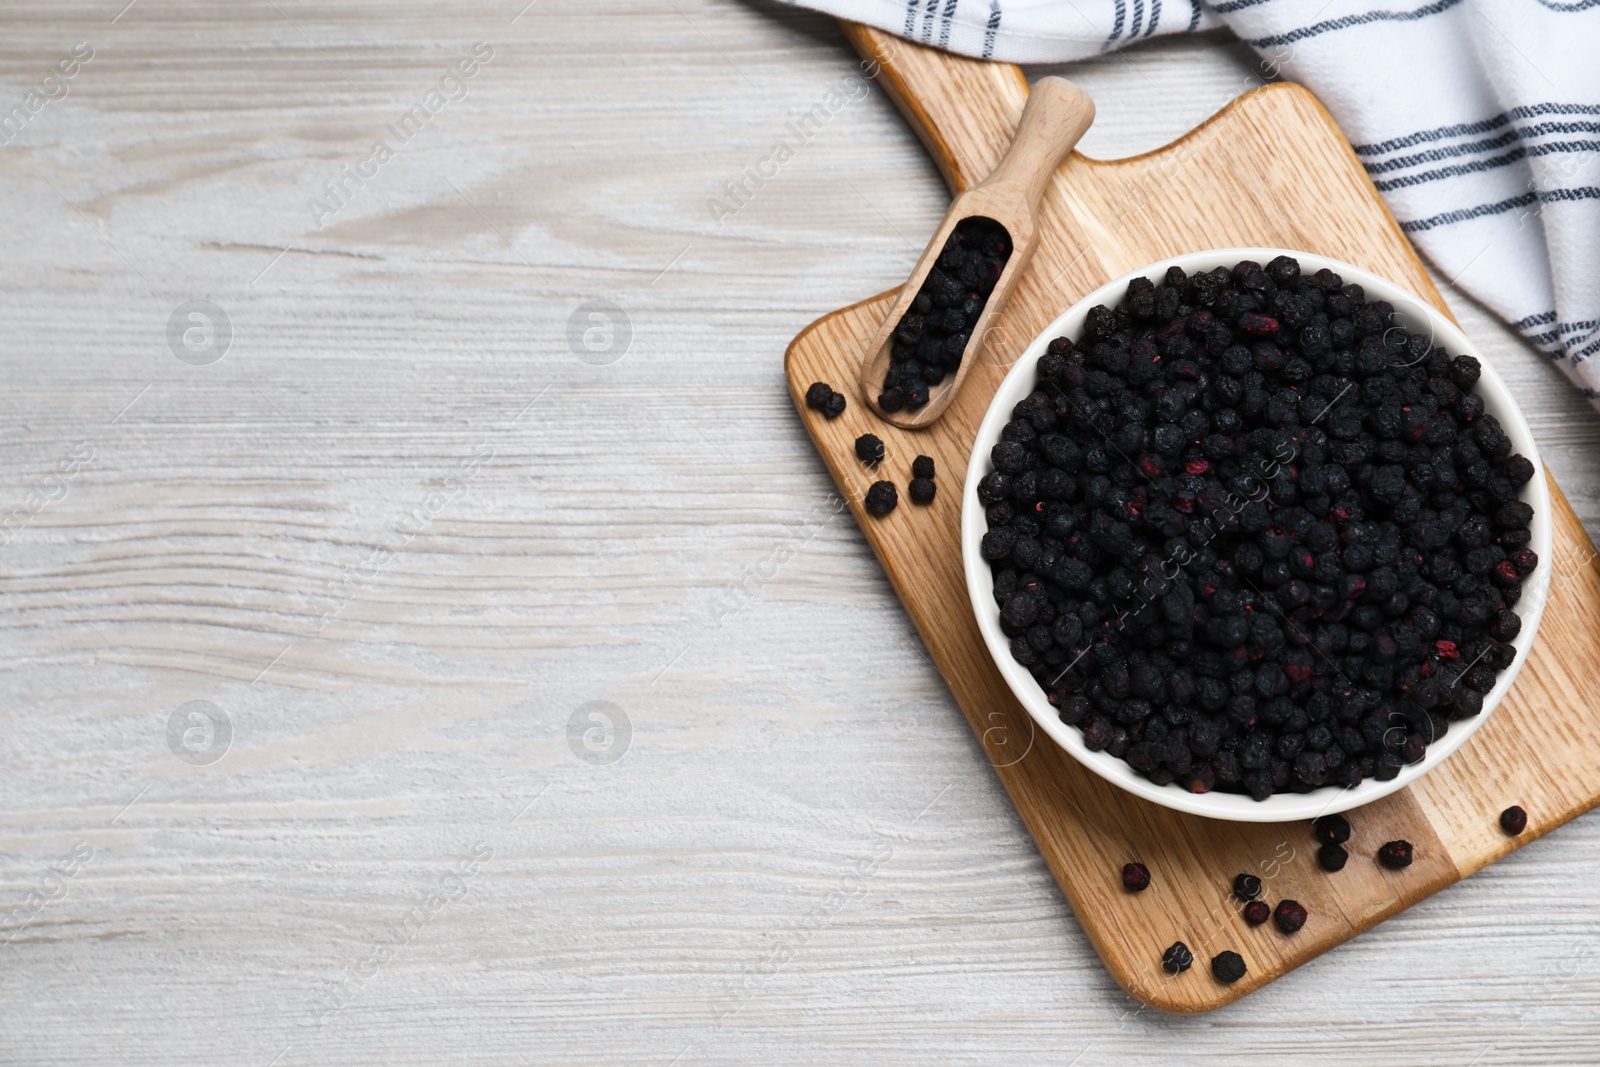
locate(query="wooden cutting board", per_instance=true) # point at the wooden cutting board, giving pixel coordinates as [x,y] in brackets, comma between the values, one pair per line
[1271,169]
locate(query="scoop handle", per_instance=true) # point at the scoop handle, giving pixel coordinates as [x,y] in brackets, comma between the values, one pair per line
[1055,117]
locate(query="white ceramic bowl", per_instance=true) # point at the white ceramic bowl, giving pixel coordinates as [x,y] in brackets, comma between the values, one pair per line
[1416,317]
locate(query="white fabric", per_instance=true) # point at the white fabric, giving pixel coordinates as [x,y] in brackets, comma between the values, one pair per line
[1478,120]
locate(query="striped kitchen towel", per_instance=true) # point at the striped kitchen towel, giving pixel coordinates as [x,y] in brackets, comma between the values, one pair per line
[1474,118]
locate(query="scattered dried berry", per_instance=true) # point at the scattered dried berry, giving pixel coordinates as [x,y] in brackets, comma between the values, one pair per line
[1246,886]
[932,335]
[1177,958]
[882,498]
[1332,857]
[922,467]
[923,490]
[1135,877]
[869,449]
[1228,967]
[821,397]
[1395,854]
[1256,537]
[1256,912]
[1290,915]
[1332,829]
[1513,820]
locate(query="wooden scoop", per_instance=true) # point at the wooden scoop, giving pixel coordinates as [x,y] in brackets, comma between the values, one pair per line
[1056,115]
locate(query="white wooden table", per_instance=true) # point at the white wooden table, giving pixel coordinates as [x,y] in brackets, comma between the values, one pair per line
[412,521]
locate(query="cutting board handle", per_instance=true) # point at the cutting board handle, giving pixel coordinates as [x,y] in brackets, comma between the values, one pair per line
[965,110]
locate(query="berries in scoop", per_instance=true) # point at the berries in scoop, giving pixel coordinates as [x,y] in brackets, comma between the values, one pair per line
[931,337]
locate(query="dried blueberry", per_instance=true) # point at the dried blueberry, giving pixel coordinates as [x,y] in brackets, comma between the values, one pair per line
[1228,967]
[1332,829]
[869,449]
[1513,820]
[1332,857]
[1290,915]
[882,498]
[1135,877]
[923,490]
[1395,854]
[1257,912]
[1246,886]
[1177,958]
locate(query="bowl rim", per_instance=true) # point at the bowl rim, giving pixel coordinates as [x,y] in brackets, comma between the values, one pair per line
[1410,312]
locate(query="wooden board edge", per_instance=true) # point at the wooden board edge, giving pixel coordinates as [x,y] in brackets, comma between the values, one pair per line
[812,327]
[879,47]
[1253,982]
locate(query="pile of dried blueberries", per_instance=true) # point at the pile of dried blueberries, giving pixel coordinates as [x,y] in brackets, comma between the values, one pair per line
[1250,535]
[933,333]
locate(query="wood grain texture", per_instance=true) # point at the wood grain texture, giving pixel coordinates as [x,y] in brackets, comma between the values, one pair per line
[1209,189]
[657,532]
